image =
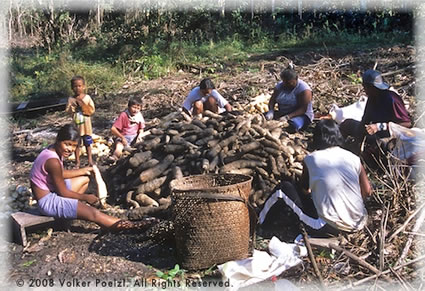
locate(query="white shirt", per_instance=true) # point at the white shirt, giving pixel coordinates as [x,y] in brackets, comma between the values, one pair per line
[287,100]
[195,95]
[335,188]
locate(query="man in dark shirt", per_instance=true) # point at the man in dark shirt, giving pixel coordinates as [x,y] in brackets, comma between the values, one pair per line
[383,106]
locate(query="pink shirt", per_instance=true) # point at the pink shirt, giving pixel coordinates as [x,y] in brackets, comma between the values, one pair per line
[39,175]
[124,125]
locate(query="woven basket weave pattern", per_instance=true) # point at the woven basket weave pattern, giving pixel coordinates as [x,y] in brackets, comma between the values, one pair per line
[210,231]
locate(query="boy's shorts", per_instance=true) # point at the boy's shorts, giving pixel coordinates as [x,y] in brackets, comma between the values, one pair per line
[129,138]
[87,140]
[57,206]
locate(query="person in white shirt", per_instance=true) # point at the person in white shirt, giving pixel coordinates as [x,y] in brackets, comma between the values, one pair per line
[205,97]
[333,186]
[294,99]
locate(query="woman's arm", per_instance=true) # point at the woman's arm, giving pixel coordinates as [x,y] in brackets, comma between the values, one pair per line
[365,188]
[304,180]
[304,98]
[54,170]
[228,107]
[272,100]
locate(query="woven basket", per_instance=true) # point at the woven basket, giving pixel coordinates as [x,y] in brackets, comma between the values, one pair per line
[211,219]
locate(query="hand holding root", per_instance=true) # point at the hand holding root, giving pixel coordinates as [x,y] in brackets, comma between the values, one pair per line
[269,115]
[92,200]
[284,118]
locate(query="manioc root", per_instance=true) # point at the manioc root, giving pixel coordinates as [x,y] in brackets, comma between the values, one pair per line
[174,148]
[131,201]
[102,191]
[246,148]
[145,200]
[241,164]
[212,115]
[154,172]
[151,185]
[152,144]
[177,173]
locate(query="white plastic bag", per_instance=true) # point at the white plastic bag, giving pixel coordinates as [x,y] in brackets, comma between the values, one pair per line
[262,266]
[79,118]
[353,111]
[409,141]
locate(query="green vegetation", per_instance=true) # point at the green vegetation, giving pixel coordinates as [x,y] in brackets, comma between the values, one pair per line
[150,44]
[172,274]
[29,263]
[41,75]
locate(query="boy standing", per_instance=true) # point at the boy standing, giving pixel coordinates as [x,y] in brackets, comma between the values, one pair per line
[81,106]
[127,127]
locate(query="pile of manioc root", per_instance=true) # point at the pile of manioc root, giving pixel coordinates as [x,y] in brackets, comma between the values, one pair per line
[234,142]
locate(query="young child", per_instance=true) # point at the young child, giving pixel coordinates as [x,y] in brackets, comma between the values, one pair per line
[60,192]
[127,127]
[81,106]
[205,97]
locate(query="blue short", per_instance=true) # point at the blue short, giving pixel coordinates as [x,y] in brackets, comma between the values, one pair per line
[299,122]
[57,206]
[87,140]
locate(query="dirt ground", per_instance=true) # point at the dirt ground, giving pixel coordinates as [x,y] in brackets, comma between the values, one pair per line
[82,250]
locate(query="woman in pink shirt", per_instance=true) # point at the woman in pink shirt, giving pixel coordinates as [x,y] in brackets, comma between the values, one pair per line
[60,192]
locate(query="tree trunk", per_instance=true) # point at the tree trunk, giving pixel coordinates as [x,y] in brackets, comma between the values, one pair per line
[98,16]
[10,21]
[300,9]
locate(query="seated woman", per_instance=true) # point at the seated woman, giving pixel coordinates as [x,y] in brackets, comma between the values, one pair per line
[294,99]
[333,186]
[60,193]
[205,97]
[383,105]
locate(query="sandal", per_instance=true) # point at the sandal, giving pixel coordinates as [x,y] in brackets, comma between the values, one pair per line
[122,225]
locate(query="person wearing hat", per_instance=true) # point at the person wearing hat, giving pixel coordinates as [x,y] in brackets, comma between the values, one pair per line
[384,105]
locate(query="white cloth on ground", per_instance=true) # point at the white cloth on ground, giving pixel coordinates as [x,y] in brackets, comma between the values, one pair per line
[409,141]
[353,111]
[261,265]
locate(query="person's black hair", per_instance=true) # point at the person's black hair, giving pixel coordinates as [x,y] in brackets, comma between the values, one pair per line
[134,100]
[288,74]
[68,132]
[77,77]
[326,134]
[206,84]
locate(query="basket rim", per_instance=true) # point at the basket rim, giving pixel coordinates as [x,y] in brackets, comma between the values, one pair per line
[204,188]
